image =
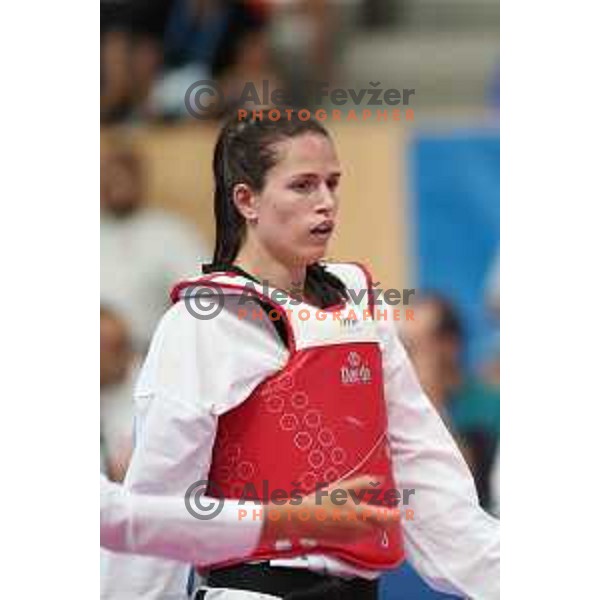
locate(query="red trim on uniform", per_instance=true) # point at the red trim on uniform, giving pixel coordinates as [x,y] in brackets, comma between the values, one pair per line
[176,290]
[178,287]
[336,307]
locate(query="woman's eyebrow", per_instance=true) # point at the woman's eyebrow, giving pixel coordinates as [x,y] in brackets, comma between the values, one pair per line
[313,174]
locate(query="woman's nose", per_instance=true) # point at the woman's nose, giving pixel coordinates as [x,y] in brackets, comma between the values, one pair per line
[327,201]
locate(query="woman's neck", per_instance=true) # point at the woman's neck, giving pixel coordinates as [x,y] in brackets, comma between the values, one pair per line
[264,267]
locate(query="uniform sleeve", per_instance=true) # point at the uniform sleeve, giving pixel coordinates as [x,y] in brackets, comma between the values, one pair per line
[451,542]
[114,515]
[189,371]
[162,526]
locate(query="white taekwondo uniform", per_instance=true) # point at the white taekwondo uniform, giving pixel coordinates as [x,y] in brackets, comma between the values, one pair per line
[197,370]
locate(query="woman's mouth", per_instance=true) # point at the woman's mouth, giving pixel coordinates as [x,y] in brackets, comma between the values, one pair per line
[323,230]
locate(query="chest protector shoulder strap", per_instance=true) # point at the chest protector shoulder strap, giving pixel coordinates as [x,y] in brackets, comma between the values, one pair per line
[320,419]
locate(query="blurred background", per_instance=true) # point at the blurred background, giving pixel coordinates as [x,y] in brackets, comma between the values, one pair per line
[420,199]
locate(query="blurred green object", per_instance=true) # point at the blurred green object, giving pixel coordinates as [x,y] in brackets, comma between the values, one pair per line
[475,415]
[476,406]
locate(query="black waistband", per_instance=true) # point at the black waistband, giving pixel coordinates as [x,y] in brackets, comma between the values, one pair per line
[291,584]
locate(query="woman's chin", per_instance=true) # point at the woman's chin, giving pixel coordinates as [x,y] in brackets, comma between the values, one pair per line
[315,255]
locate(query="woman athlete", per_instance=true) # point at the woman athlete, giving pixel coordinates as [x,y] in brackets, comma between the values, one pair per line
[289,385]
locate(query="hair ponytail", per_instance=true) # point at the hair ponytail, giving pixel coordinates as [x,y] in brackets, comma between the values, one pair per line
[229,222]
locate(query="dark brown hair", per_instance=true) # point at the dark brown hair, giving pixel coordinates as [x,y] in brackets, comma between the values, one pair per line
[244,153]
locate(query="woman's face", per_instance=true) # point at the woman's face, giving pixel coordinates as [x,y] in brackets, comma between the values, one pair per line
[297,208]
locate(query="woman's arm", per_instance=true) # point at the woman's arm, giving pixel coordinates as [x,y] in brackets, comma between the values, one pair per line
[189,371]
[451,542]
[162,526]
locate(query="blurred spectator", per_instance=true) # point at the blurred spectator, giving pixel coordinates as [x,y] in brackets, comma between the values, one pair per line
[304,33]
[152,52]
[470,406]
[209,32]
[495,485]
[492,374]
[143,251]
[205,39]
[492,287]
[475,413]
[132,33]
[434,340]
[117,375]
[252,64]
[114,57]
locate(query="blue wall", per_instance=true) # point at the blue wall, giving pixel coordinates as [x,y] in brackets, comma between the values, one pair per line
[405,584]
[454,183]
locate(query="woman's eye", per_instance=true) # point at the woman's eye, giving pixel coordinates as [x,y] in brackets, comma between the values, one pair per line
[302,186]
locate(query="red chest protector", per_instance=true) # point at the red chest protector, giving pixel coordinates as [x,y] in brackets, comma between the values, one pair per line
[321,418]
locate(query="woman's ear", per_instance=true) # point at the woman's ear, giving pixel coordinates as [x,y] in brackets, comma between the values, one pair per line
[246,202]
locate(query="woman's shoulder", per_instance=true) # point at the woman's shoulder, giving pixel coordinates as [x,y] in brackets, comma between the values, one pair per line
[215,325]
[353,275]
